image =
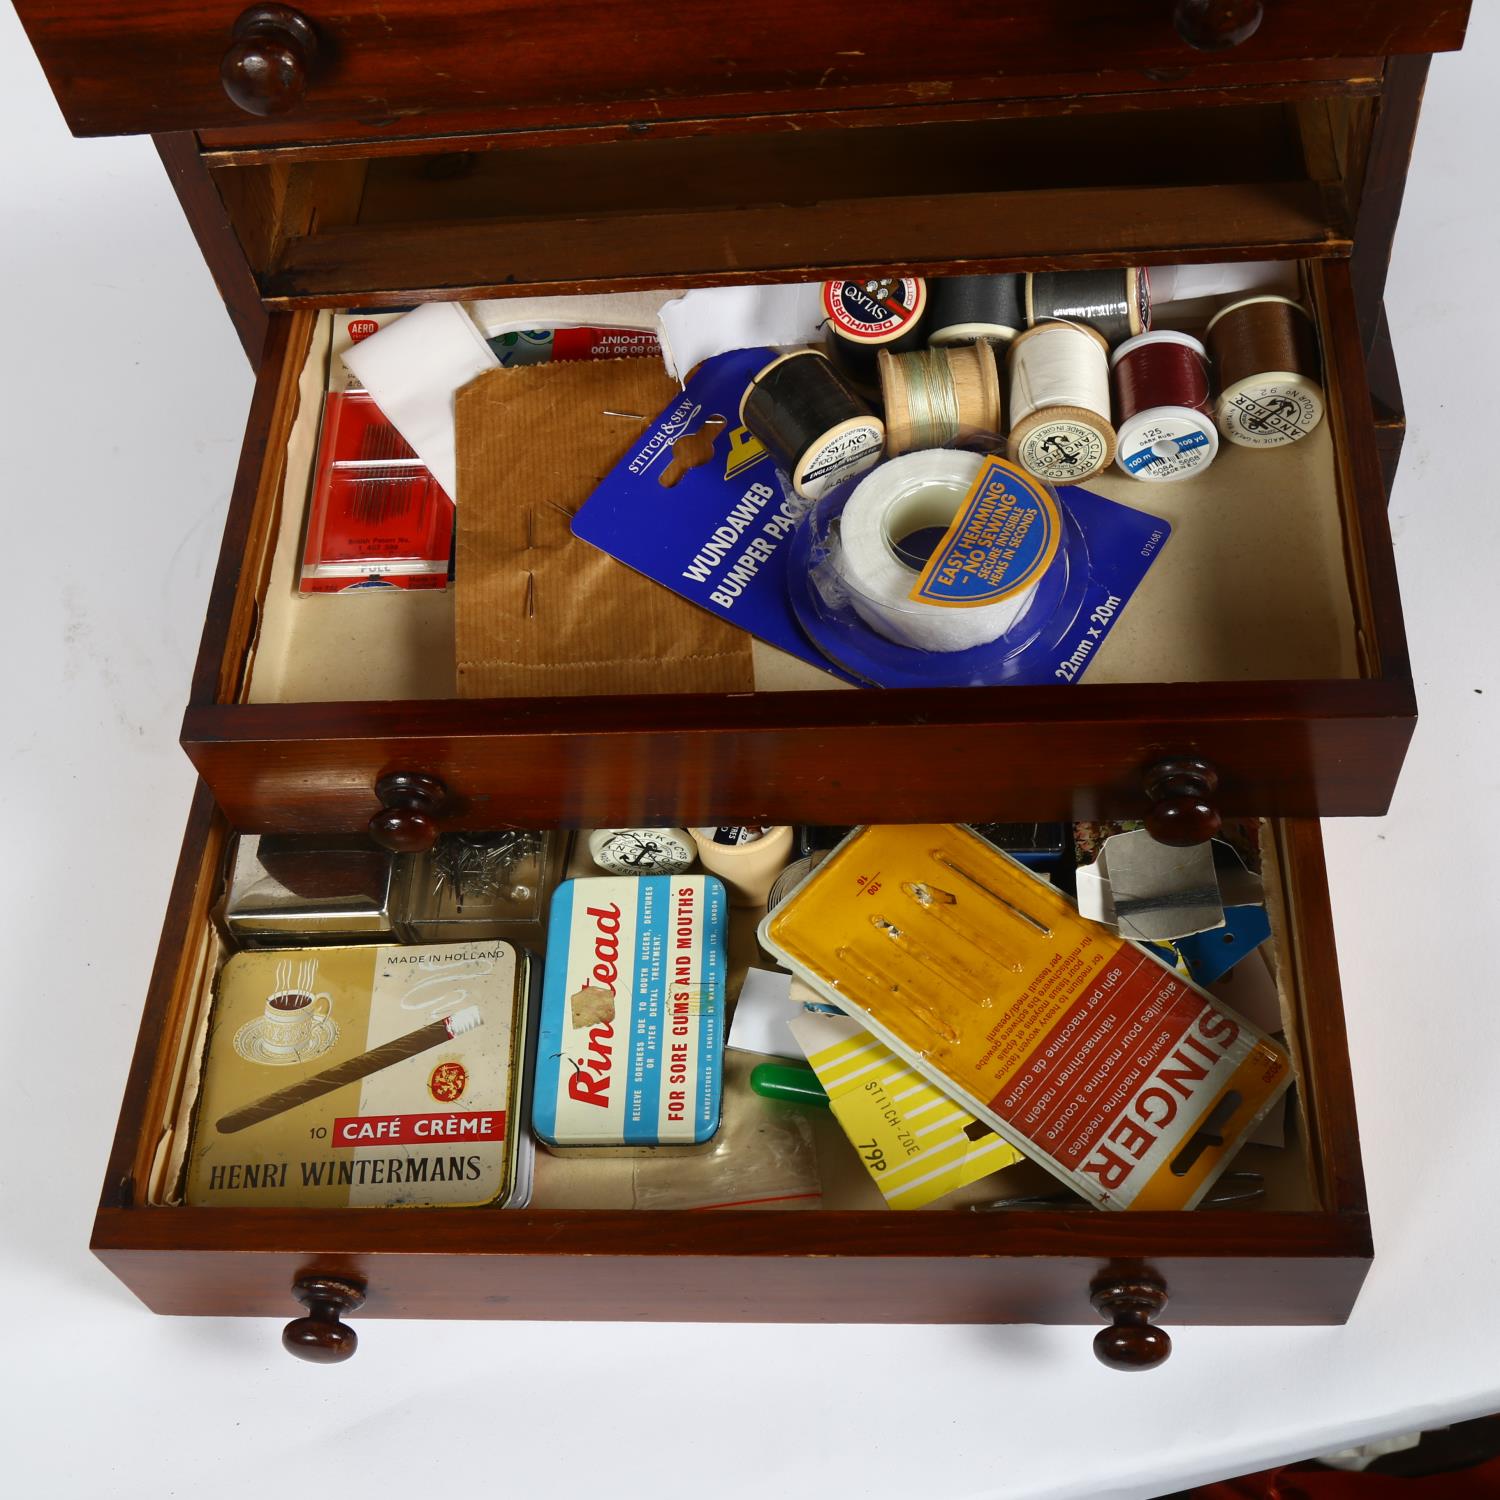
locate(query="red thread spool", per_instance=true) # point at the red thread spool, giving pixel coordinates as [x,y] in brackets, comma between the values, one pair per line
[1162,408]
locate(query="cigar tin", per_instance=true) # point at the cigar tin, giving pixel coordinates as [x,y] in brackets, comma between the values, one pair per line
[631,1048]
[370,1077]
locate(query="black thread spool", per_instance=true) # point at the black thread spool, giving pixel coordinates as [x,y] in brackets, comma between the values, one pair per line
[1117,302]
[817,429]
[966,309]
[863,318]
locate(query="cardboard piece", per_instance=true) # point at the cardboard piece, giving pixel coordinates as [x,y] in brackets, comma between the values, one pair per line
[539,612]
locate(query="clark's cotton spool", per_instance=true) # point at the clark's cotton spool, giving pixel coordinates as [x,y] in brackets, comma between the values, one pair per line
[935,398]
[1162,407]
[864,317]
[965,309]
[816,428]
[922,493]
[1117,302]
[1266,362]
[1059,402]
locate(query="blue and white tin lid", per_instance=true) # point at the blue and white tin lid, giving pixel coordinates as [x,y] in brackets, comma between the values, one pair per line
[631,1045]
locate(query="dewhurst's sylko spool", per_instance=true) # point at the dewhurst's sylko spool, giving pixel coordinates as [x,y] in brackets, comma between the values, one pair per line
[1162,407]
[965,309]
[1060,427]
[817,430]
[864,317]
[1268,372]
[935,398]
[1116,302]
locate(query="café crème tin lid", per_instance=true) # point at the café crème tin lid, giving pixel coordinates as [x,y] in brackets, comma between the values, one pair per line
[371,1076]
[631,1046]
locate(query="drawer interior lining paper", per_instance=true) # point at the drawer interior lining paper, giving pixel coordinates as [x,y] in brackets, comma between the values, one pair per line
[1252,586]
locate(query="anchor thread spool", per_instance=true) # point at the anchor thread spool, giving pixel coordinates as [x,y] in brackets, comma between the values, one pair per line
[1268,372]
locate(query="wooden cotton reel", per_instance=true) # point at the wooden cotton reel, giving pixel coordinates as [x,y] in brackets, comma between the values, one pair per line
[1059,402]
[1265,353]
[940,398]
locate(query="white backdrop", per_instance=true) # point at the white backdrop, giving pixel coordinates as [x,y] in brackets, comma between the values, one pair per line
[124,396]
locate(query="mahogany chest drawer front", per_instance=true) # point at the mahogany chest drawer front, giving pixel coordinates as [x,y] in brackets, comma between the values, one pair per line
[303,707]
[1297,1255]
[415,66]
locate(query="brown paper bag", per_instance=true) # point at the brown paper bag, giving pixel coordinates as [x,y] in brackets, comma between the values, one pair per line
[539,612]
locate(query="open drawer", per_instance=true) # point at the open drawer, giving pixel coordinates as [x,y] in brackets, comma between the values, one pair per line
[1267,644]
[1297,1255]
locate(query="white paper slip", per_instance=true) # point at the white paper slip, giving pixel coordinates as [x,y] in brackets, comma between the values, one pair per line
[762,1014]
[714,320]
[414,368]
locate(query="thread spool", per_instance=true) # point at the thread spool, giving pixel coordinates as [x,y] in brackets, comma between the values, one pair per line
[864,317]
[1265,354]
[1059,402]
[816,428]
[746,859]
[935,398]
[964,309]
[1166,430]
[885,534]
[1117,301]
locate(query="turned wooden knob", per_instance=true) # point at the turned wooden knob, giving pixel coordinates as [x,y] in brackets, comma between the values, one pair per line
[1212,25]
[1182,810]
[1130,1342]
[266,69]
[406,821]
[320,1337]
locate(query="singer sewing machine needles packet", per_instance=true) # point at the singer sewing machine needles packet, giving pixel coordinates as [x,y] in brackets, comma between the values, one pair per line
[367,1077]
[1081,1049]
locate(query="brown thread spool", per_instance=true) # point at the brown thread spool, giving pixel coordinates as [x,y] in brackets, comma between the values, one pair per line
[817,430]
[1059,402]
[1267,370]
[935,398]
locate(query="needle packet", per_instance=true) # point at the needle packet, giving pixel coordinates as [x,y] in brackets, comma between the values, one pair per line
[1079,1048]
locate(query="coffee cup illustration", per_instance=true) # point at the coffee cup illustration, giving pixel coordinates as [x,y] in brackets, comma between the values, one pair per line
[290,1017]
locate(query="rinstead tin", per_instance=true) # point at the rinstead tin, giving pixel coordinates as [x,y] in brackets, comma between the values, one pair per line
[366,1077]
[631,1044]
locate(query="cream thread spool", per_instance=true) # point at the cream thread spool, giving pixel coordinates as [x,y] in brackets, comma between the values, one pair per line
[746,859]
[1060,427]
[935,398]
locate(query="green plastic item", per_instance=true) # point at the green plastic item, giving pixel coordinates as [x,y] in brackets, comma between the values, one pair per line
[788,1082]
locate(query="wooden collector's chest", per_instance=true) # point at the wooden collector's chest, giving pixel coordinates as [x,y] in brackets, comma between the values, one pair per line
[379,156]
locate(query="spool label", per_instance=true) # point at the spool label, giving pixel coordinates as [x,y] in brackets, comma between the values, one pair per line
[1002,540]
[1063,451]
[873,309]
[1166,451]
[846,452]
[1269,414]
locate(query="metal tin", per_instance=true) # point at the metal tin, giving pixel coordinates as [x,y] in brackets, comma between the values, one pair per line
[371,1077]
[297,890]
[631,1045]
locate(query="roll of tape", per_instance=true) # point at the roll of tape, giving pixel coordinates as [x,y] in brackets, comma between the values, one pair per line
[910,495]
[747,860]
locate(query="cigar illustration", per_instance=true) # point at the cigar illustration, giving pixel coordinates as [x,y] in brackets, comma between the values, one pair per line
[351,1070]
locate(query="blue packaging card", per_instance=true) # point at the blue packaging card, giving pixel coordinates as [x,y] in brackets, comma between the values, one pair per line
[718,535]
[725,535]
